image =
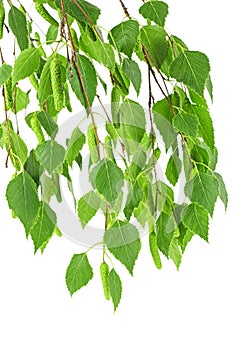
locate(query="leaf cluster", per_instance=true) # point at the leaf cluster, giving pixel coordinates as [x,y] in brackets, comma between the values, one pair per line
[132,197]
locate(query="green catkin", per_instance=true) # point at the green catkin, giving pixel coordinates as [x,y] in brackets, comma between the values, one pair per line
[2,18]
[36,127]
[92,144]
[9,94]
[34,82]
[104,273]
[154,250]
[56,80]
[45,14]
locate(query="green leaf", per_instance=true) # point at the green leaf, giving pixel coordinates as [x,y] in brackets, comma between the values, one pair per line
[52,34]
[18,24]
[133,121]
[222,189]
[109,179]
[32,167]
[124,36]
[88,75]
[133,200]
[23,199]
[174,168]
[165,196]
[165,227]
[48,123]
[154,250]
[122,240]
[142,214]
[186,123]
[138,163]
[206,129]
[79,273]
[154,40]
[50,154]
[45,87]
[209,86]
[87,207]
[176,46]
[195,218]
[121,83]
[50,186]
[22,100]
[43,226]
[5,73]
[156,11]
[191,68]
[26,63]
[99,51]
[75,145]
[19,147]
[132,70]
[185,236]
[163,121]
[89,11]
[175,253]
[115,288]
[203,189]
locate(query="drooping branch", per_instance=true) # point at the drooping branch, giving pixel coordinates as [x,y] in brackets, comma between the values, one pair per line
[75,60]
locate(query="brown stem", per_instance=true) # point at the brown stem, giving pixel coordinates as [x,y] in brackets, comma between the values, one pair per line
[75,60]
[104,109]
[125,9]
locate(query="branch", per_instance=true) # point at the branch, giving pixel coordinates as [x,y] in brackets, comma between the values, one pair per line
[125,9]
[75,59]
[151,98]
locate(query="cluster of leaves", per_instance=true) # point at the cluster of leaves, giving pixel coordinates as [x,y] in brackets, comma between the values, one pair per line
[128,194]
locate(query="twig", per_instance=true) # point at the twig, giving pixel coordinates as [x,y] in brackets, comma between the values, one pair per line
[15,96]
[125,9]
[157,82]
[151,98]
[104,109]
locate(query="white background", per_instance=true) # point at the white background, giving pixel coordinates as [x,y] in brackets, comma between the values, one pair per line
[190,309]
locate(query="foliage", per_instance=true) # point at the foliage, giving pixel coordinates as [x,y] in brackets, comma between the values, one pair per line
[125,183]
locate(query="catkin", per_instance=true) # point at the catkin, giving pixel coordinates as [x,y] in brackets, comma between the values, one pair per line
[154,250]
[2,18]
[56,80]
[36,127]
[92,144]
[104,273]
[45,14]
